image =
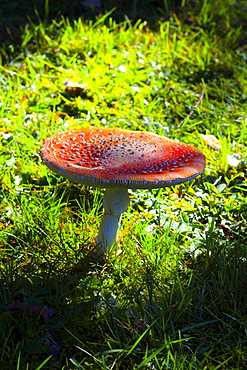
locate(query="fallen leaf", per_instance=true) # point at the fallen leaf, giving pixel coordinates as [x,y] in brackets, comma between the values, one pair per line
[211,141]
[44,312]
[75,88]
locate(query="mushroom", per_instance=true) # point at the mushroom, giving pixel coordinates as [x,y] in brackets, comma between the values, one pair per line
[119,160]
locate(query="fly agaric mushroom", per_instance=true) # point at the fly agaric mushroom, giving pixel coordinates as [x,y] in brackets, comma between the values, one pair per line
[119,160]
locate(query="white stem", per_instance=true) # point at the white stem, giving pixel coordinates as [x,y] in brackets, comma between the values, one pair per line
[115,202]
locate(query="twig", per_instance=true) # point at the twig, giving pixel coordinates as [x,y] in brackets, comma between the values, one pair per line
[193,109]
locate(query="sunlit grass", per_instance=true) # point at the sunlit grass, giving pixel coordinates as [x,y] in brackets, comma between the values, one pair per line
[172,293]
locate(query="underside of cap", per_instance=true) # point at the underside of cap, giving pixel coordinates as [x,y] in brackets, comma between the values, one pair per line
[118,183]
[104,157]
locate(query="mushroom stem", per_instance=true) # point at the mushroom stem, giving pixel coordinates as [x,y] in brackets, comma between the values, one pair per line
[115,202]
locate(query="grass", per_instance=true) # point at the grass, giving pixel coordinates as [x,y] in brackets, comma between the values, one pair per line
[175,297]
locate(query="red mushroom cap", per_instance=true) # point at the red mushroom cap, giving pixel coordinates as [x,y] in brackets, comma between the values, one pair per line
[112,157]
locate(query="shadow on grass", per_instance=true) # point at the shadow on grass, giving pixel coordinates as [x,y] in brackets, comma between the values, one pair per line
[41,310]
[15,15]
[95,315]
